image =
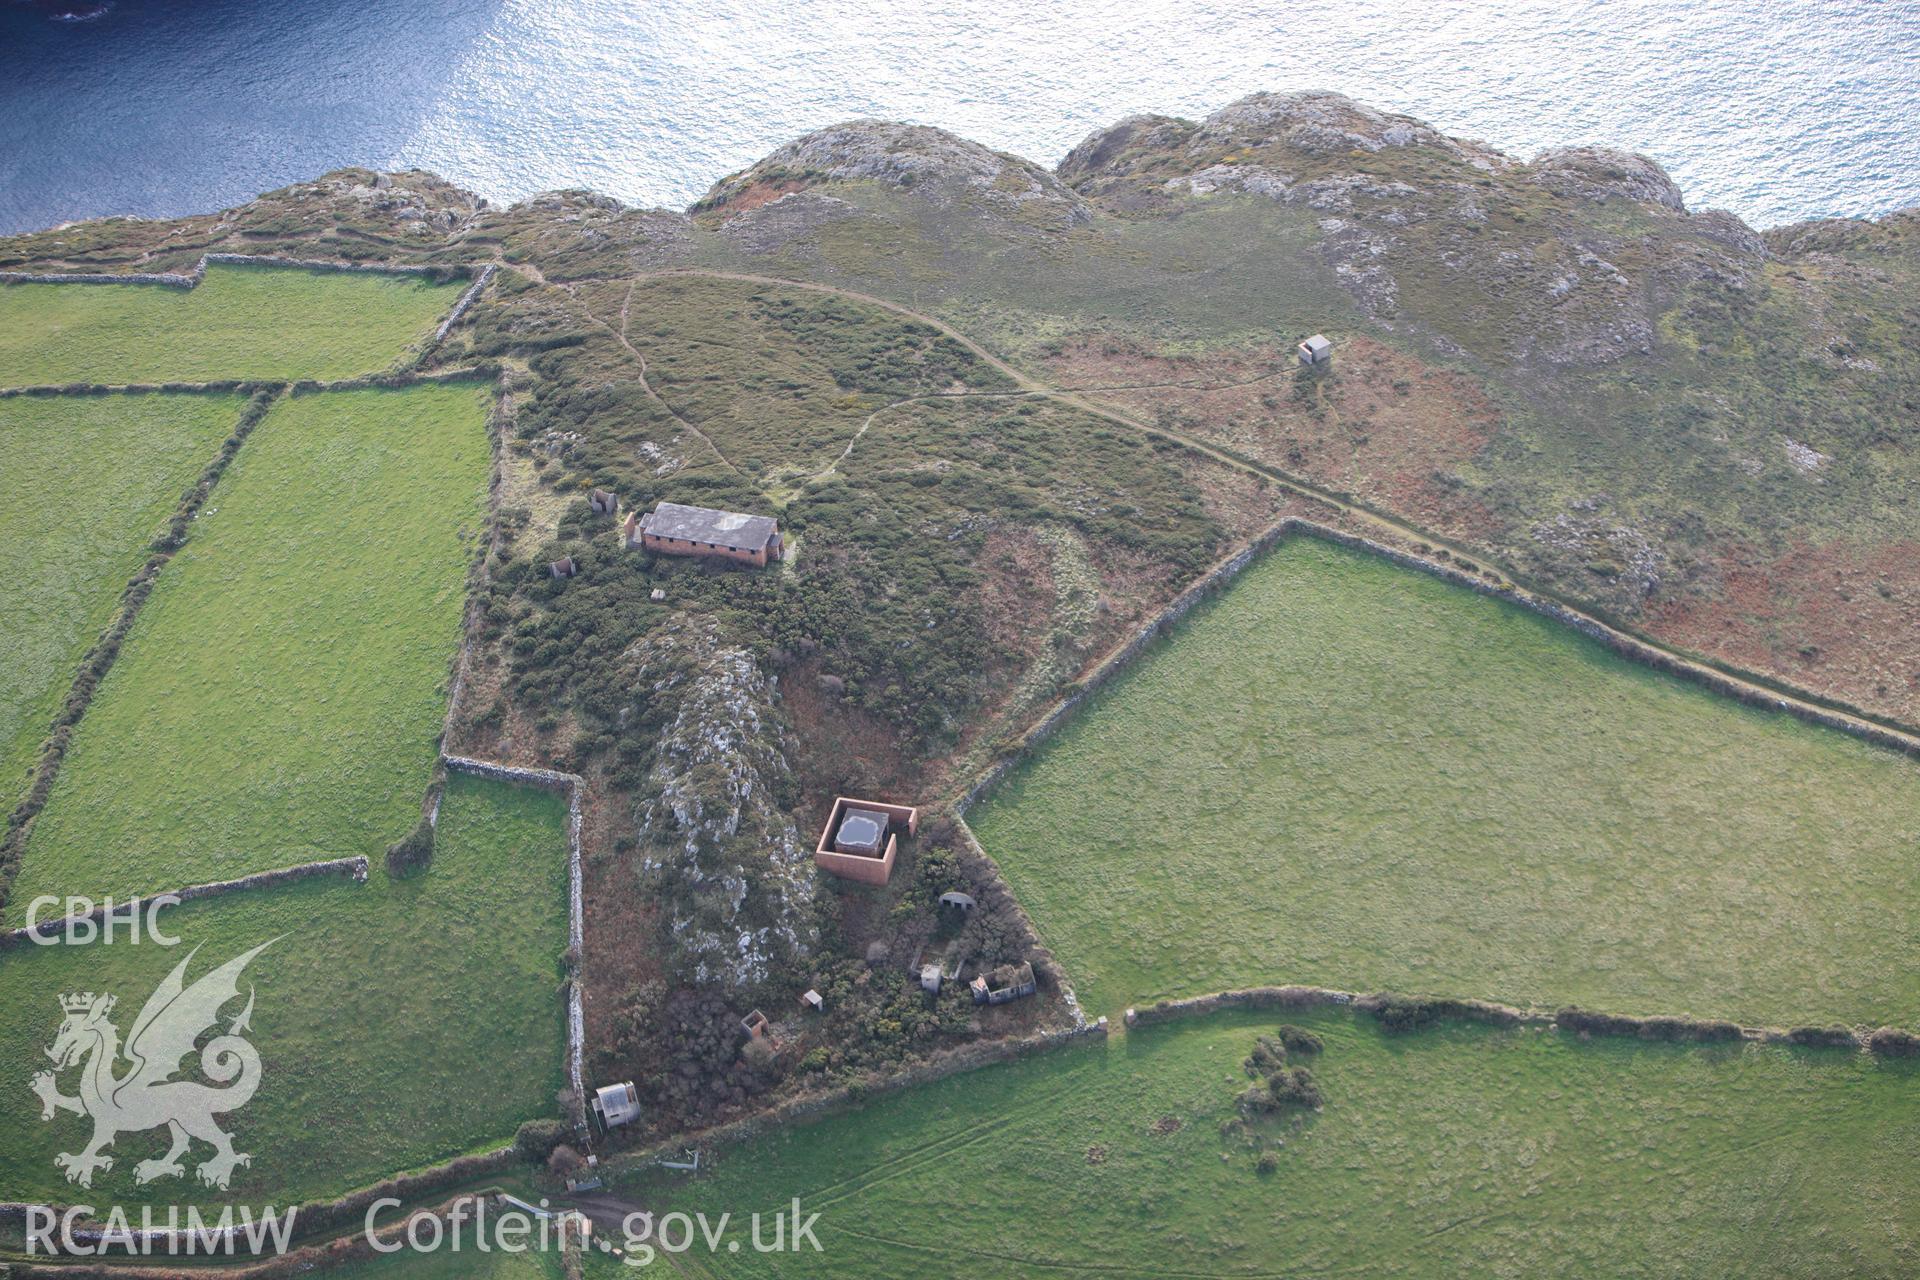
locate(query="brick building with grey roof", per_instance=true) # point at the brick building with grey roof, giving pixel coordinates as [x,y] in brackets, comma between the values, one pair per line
[672,529]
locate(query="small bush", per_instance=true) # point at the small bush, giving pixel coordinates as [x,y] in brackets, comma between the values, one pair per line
[1822,1037]
[1267,1164]
[1299,1039]
[536,1140]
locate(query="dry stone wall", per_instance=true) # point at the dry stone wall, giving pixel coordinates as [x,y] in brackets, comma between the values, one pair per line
[1893,1041]
[1617,641]
[460,308]
[1885,1041]
[191,279]
[947,1062]
[94,666]
[354,868]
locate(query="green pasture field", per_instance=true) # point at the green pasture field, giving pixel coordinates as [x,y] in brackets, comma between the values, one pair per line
[1348,773]
[399,1023]
[90,483]
[280,696]
[1460,1150]
[270,323]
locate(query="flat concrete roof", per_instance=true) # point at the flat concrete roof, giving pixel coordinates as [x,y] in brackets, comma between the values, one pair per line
[861,830]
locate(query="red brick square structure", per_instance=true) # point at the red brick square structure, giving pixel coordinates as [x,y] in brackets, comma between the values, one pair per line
[861,838]
[671,529]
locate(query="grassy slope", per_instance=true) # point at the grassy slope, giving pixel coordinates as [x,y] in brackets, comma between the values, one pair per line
[446,1264]
[1672,460]
[1346,773]
[780,380]
[911,506]
[89,484]
[399,1024]
[1454,1152]
[280,695]
[241,322]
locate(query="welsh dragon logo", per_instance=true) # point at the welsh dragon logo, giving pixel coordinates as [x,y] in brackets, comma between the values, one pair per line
[145,1096]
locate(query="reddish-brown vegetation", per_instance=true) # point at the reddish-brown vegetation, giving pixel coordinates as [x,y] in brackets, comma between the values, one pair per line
[1838,618]
[1378,424]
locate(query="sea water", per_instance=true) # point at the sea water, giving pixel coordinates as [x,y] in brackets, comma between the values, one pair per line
[1775,110]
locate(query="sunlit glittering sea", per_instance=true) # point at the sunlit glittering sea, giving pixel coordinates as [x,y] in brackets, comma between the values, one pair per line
[1778,111]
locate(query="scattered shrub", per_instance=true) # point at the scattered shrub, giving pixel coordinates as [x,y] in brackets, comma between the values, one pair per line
[1290,1087]
[1675,1030]
[1573,1018]
[1286,1086]
[1269,1055]
[412,852]
[1294,1087]
[1400,1014]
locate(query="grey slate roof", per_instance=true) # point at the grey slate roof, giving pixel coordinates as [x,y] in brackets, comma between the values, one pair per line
[703,524]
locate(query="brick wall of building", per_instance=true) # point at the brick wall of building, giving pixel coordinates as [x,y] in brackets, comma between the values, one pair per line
[858,866]
[682,547]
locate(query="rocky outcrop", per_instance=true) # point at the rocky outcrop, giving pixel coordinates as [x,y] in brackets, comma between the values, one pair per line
[1328,124]
[415,203]
[1395,197]
[714,843]
[1265,143]
[1601,173]
[1106,152]
[1727,231]
[909,157]
[1895,233]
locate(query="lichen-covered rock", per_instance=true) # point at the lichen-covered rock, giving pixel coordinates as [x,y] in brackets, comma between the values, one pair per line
[1828,235]
[1625,565]
[715,845]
